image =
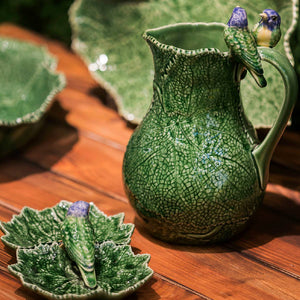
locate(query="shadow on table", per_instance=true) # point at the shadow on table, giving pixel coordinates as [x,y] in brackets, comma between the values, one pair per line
[108,101]
[27,294]
[275,219]
[104,97]
[55,139]
[285,176]
[145,292]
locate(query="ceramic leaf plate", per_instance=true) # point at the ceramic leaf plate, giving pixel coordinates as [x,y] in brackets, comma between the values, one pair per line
[44,266]
[28,85]
[28,82]
[47,270]
[107,35]
[32,227]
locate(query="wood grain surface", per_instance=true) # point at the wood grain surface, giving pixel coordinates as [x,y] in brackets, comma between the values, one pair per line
[78,156]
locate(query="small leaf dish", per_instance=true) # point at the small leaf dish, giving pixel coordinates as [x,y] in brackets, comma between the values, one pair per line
[44,266]
[28,86]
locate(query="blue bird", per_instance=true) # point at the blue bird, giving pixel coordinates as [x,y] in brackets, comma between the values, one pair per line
[242,46]
[267,31]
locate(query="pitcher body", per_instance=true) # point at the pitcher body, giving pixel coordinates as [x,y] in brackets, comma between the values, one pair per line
[188,169]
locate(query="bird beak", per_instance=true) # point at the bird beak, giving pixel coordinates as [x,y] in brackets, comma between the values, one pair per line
[264,16]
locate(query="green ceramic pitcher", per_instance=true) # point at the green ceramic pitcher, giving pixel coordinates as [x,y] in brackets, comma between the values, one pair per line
[194,169]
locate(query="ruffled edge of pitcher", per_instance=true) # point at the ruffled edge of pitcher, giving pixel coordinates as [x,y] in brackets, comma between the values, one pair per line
[148,37]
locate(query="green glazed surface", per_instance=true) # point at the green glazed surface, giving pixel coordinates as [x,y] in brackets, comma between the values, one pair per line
[32,227]
[28,86]
[189,169]
[47,270]
[79,242]
[114,27]
[44,266]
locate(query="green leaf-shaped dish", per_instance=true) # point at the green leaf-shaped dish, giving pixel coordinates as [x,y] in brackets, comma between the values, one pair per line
[28,85]
[107,35]
[47,270]
[44,266]
[32,227]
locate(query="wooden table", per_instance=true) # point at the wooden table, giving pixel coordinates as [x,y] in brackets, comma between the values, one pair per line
[78,156]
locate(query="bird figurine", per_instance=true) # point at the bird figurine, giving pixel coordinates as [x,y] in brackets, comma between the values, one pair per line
[267,31]
[242,45]
[78,240]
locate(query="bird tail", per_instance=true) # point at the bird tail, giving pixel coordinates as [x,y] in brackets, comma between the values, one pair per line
[259,78]
[88,276]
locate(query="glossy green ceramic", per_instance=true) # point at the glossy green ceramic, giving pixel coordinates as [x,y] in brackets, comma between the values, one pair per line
[194,170]
[47,270]
[32,227]
[106,34]
[28,85]
[44,266]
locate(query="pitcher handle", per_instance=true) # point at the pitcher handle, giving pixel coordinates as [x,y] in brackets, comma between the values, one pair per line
[263,152]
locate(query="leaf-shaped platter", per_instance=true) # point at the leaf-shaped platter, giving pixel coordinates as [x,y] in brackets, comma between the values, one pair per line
[107,35]
[32,227]
[44,266]
[47,270]
[28,85]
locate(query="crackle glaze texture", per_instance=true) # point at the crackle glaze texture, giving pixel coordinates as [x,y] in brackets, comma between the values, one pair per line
[44,265]
[47,270]
[79,242]
[188,169]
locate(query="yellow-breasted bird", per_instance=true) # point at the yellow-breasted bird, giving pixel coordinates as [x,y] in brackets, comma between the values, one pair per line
[242,45]
[267,31]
